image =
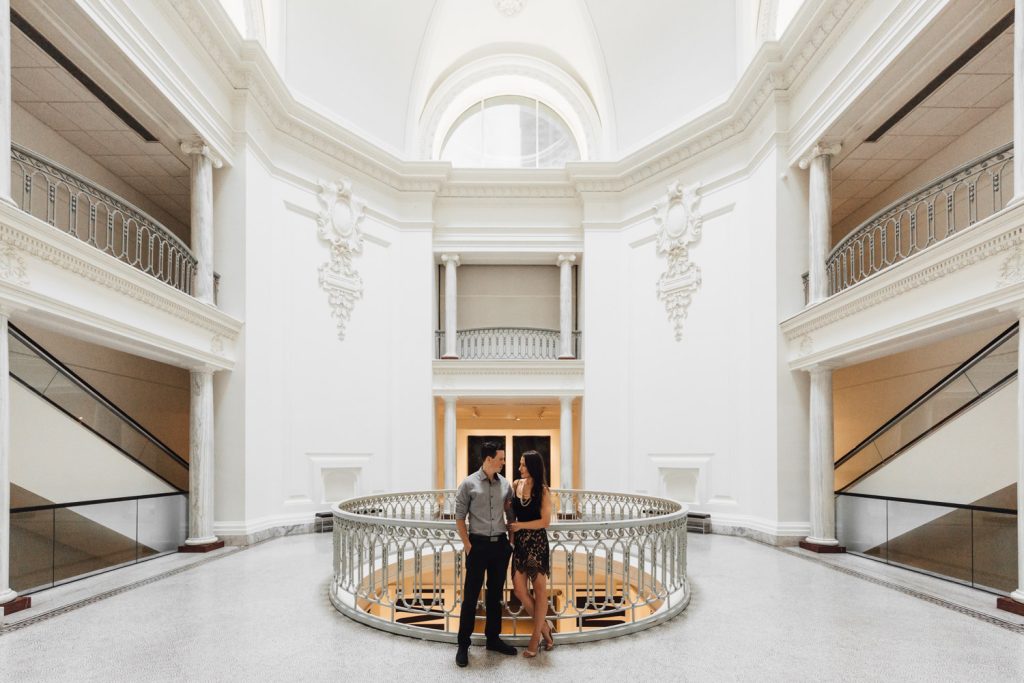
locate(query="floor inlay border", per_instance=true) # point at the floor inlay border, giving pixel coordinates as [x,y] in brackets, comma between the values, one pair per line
[912,592]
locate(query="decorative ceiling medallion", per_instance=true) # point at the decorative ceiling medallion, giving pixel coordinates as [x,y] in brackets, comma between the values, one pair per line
[510,8]
[679,226]
[338,225]
[12,265]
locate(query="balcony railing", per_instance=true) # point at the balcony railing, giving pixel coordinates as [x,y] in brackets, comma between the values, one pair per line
[507,343]
[955,201]
[99,218]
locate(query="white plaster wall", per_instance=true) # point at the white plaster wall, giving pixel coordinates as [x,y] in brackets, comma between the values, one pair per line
[506,296]
[56,458]
[954,465]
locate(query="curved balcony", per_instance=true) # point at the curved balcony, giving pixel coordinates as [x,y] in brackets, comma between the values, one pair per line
[507,343]
[618,565]
[65,200]
[915,222]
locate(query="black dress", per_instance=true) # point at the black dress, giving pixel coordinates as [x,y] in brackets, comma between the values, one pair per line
[530,554]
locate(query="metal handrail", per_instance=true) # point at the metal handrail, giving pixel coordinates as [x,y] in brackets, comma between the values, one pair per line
[75,205]
[935,503]
[507,343]
[617,565]
[919,219]
[931,391]
[97,501]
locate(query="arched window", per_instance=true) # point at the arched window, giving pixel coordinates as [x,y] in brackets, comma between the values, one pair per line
[510,131]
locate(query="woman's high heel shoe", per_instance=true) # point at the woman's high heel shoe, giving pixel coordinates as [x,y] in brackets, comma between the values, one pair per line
[549,642]
[528,654]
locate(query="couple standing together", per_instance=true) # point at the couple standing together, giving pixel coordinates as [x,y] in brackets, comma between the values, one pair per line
[492,506]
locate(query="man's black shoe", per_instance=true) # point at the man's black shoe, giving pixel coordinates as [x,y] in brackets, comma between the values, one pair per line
[501,646]
[462,656]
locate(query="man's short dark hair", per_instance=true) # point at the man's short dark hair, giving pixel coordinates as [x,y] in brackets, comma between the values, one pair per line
[489,449]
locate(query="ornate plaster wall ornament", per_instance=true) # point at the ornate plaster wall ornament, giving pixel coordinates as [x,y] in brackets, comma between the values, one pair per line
[217,344]
[679,226]
[1012,270]
[12,265]
[806,344]
[338,224]
[510,8]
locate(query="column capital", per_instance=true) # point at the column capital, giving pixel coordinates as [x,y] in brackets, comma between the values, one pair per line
[821,368]
[566,258]
[450,258]
[197,147]
[820,149]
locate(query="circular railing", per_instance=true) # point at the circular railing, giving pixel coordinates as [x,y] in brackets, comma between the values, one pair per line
[618,565]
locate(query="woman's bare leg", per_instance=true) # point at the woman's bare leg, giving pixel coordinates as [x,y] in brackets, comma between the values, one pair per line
[540,612]
[522,591]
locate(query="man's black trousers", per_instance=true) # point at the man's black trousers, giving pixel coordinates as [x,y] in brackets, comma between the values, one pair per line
[490,557]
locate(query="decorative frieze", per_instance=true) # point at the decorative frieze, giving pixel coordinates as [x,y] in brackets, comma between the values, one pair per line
[679,228]
[338,224]
[1012,270]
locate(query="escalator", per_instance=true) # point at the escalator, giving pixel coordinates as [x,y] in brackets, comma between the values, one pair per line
[934,488]
[91,489]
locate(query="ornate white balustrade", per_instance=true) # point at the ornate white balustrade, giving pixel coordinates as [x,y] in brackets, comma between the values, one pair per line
[956,201]
[68,202]
[507,343]
[618,565]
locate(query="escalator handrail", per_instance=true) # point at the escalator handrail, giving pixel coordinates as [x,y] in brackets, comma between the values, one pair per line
[918,501]
[92,391]
[934,389]
[98,501]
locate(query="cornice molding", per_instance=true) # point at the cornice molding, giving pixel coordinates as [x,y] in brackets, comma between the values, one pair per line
[1001,233]
[776,67]
[28,235]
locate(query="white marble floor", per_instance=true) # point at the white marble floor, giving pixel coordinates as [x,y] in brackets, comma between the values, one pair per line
[757,613]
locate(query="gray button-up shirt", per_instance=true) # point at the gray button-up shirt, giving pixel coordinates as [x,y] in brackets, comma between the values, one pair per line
[482,501]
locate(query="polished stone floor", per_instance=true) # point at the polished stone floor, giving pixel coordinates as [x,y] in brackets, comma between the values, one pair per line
[262,614]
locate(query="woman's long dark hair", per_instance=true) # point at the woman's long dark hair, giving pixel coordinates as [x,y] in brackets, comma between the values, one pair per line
[535,466]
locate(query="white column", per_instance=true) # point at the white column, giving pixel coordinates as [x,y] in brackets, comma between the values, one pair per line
[820,199]
[6,594]
[565,262]
[822,477]
[200,466]
[449,442]
[1018,595]
[1018,101]
[5,104]
[451,262]
[565,442]
[203,162]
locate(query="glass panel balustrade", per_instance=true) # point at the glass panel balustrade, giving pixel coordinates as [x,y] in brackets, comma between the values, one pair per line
[56,543]
[974,545]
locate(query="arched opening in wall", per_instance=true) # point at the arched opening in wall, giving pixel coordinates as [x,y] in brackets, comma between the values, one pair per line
[510,131]
[510,111]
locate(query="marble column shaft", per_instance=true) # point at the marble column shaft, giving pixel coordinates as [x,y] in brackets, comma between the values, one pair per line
[5,99]
[565,442]
[449,442]
[821,224]
[451,262]
[1018,101]
[200,472]
[1018,595]
[822,476]
[6,594]
[565,262]
[203,163]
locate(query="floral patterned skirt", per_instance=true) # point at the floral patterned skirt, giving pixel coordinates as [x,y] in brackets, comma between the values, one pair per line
[530,555]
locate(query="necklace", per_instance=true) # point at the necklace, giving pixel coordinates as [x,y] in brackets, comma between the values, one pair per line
[522,486]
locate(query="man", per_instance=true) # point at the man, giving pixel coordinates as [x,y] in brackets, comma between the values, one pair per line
[485,498]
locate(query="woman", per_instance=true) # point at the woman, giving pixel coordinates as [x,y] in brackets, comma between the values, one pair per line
[531,506]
